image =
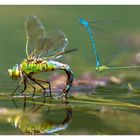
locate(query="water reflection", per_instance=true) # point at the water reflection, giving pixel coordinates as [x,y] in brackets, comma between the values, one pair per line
[43,118]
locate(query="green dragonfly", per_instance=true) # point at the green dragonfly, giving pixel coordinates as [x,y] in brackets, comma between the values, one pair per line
[42,52]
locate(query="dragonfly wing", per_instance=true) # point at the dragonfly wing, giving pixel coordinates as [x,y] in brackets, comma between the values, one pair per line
[40,46]
[56,42]
[35,33]
[59,54]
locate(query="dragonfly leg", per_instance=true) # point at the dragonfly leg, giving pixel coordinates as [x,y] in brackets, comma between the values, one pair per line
[14,93]
[34,89]
[39,85]
[17,87]
[22,92]
[49,105]
[45,81]
[25,86]
[24,81]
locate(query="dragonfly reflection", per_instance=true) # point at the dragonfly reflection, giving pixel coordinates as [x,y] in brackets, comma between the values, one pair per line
[38,121]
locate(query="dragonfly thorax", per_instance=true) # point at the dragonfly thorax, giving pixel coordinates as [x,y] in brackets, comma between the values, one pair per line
[34,66]
[14,72]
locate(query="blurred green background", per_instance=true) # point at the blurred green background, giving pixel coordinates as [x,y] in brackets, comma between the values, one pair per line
[123,36]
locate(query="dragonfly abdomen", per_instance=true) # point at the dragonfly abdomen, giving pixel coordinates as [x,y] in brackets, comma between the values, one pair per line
[60,66]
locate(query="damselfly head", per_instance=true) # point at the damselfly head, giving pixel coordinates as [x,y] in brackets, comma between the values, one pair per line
[83,22]
[14,72]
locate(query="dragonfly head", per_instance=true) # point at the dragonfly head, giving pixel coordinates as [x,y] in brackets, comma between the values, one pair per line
[14,72]
[83,22]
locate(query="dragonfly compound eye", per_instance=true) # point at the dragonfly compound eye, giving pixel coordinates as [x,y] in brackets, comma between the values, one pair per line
[14,73]
[10,72]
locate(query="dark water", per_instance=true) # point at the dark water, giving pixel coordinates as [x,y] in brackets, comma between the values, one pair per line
[92,114]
